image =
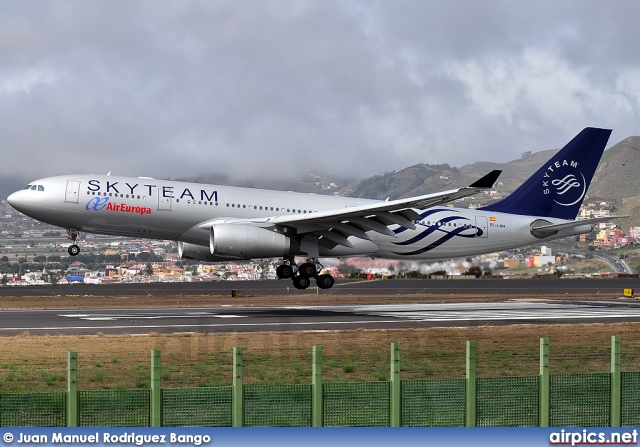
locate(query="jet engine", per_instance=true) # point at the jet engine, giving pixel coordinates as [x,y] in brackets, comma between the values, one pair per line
[230,241]
[233,241]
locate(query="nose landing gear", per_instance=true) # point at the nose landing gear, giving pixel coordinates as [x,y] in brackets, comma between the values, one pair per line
[73,250]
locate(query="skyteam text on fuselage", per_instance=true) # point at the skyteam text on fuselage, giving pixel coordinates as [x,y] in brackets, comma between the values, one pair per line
[220,223]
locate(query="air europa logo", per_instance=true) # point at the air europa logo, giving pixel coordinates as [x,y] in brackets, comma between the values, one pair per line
[98,204]
[564,181]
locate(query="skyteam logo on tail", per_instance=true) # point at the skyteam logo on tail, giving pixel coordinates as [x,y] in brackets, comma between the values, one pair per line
[564,181]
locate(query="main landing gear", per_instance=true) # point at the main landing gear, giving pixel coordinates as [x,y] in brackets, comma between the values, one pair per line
[303,273]
[73,250]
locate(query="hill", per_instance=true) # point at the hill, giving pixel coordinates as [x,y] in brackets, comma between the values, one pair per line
[617,178]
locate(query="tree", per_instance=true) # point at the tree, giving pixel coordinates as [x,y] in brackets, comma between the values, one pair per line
[4,280]
[4,259]
[149,269]
[475,271]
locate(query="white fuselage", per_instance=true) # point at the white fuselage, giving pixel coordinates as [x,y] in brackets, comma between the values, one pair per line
[163,209]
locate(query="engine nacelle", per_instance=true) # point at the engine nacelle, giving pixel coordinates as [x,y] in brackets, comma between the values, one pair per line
[197,252]
[233,241]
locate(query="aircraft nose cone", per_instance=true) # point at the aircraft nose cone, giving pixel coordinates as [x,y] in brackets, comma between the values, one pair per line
[13,199]
[16,200]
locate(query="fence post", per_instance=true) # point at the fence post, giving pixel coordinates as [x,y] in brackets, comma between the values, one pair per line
[72,389]
[156,393]
[396,402]
[545,384]
[317,396]
[471,384]
[238,395]
[616,382]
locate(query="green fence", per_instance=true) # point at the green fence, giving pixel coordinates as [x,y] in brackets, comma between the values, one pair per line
[598,399]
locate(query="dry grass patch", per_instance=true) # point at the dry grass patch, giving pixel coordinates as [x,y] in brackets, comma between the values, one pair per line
[38,363]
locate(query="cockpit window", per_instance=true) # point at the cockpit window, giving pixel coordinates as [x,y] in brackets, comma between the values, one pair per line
[34,187]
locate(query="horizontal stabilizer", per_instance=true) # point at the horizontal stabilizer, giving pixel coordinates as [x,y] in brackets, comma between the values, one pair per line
[542,229]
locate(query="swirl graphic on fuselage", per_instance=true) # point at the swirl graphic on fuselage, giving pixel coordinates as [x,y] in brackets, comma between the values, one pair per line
[462,228]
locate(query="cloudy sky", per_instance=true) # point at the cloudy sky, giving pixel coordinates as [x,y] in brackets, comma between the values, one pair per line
[276,88]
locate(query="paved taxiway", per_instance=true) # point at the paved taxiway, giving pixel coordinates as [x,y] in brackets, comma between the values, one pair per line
[300,318]
[503,287]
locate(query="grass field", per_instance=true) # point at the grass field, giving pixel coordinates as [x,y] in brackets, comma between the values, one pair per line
[38,363]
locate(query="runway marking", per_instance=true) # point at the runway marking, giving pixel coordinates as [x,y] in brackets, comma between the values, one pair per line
[490,311]
[111,317]
[279,324]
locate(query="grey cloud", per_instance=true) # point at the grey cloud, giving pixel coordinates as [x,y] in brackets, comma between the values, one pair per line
[278,88]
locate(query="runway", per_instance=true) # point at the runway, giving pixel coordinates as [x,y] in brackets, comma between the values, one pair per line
[316,318]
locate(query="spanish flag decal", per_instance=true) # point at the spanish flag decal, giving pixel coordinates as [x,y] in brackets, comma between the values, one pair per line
[492,219]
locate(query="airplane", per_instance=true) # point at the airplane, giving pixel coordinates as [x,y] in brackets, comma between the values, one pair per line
[221,223]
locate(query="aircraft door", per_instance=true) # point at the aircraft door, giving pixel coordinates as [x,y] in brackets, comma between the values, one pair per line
[483,225]
[72,193]
[164,203]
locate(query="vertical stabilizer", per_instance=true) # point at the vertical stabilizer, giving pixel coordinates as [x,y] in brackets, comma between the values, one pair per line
[558,188]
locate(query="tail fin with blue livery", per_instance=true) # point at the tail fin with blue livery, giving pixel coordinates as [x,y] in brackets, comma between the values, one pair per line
[558,188]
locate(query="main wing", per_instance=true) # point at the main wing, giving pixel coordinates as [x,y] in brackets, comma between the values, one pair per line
[335,226]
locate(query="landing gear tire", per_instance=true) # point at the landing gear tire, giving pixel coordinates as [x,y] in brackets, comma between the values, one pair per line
[325,281]
[308,270]
[74,250]
[284,271]
[301,282]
